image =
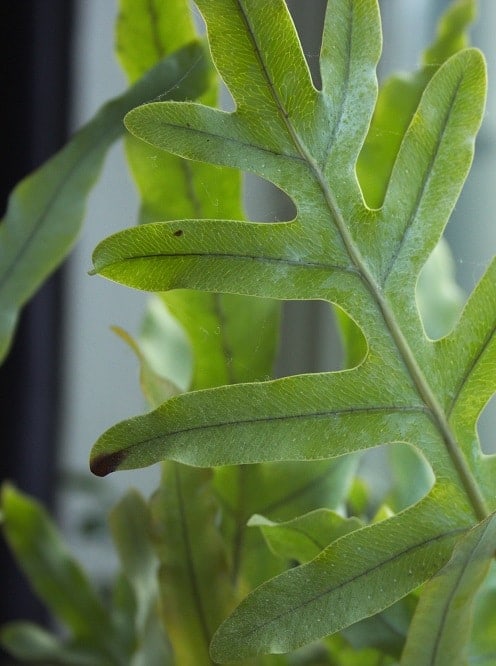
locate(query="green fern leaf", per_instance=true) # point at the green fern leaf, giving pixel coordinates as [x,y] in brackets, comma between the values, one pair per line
[408,388]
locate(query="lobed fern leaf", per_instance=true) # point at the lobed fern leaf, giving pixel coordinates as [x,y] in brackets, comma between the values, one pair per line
[408,388]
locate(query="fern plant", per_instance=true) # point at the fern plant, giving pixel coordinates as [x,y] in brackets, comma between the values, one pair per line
[373,182]
[407,388]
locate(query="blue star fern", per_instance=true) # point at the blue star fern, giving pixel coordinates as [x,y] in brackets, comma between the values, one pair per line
[407,389]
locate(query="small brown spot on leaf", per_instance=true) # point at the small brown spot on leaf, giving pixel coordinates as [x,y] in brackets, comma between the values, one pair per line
[107,463]
[179,232]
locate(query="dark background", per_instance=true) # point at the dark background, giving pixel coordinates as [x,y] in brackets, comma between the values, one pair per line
[35,38]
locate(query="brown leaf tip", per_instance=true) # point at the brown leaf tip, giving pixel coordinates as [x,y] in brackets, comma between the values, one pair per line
[107,463]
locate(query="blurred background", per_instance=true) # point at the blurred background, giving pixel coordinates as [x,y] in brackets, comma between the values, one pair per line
[69,377]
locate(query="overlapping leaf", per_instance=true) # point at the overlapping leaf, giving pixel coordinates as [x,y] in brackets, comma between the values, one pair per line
[232,338]
[63,586]
[408,388]
[440,632]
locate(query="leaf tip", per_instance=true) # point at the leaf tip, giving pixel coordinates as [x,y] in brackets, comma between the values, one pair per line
[106,463]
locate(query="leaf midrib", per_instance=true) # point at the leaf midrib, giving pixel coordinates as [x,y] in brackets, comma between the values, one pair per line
[331,413]
[294,263]
[420,382]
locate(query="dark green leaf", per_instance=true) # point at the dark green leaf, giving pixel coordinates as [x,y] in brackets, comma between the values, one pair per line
[29,643]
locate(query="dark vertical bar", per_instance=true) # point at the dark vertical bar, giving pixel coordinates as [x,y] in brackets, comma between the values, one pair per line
[35,55]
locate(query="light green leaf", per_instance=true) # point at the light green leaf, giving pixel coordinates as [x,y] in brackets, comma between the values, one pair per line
[439,298]
[410,476]
[195,588]
[147,31]
[483,640]
[56,577]
[345,655]
[128,522]
[217,327]
[407,388]
[46,209]
[451,33]
[304,537]
[440,629]
[154,386]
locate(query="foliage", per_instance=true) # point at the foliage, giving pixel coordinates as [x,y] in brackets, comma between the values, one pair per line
[278,525]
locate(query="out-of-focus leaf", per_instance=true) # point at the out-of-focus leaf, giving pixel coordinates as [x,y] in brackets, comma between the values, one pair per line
[147,31]
[130,525]
[440,630]
[411,477]
[439,298]
[304,537]
[155,387]
[340,652]
[234,338]
[128,522]
[56,577]
[29,643]
[385,631]
[46,209]
[195,588]
[124,609]
[165,345]
[483,641]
